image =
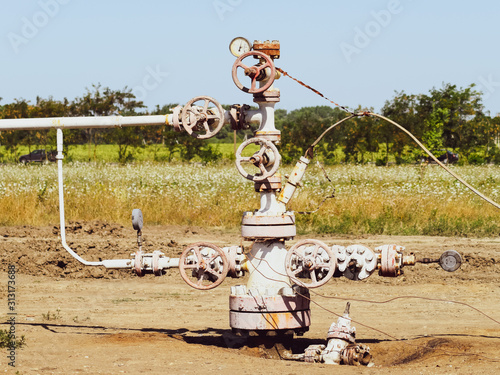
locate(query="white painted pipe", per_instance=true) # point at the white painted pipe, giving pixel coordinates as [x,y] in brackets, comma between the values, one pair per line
[83,122]
[118,263]
[254,116]
[62,222]
[164,263]
[100,121]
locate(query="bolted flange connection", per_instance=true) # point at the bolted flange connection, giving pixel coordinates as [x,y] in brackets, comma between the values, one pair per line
[356,262]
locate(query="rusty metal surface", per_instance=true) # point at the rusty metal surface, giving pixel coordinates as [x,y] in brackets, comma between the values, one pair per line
[265,321]
[355,355]
[270,135]
[390,260]
[268,96]
[270,183]
[271,48]
[313,353]
[260,303]
[235,259]
[294,180]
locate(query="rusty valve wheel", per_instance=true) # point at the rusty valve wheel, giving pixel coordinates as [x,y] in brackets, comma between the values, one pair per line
[255,72]
[311,260]
[267,159]
[200,121]
[203,265]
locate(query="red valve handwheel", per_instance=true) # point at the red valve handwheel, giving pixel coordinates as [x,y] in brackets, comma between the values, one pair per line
[254,72]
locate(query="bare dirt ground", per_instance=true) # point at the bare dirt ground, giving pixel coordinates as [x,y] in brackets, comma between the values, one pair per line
[78,319]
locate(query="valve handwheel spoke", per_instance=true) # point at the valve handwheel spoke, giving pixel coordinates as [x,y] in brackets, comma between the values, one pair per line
[315,252]
[199,270]
[297,270]
[254,72]
[199,121]
[310,270]
[313,277]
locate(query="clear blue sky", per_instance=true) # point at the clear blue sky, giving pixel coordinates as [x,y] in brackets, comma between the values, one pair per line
[356,52]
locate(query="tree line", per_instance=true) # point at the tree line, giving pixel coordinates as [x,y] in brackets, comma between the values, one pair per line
[446,118]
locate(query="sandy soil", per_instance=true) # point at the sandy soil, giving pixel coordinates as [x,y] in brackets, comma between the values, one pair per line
[87,320]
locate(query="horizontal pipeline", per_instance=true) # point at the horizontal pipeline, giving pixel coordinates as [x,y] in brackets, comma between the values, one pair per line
[253,116]
[83,122]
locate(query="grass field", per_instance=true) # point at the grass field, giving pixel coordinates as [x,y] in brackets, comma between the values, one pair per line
[109,153]
[404,200]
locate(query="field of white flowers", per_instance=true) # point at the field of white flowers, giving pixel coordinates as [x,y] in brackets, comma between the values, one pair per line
[368,199]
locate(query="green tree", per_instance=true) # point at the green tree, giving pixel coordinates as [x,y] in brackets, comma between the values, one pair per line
[12,139]
[453,114]
[464,105]
[106,102]
[433,133]
[406,110]
[300,128]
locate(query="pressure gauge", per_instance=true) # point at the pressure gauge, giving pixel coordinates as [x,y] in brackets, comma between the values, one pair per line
[239,46]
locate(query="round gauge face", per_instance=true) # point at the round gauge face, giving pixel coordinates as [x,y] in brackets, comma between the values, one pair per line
[239,46]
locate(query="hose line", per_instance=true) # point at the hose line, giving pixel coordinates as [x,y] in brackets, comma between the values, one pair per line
[461,180]
[309,152]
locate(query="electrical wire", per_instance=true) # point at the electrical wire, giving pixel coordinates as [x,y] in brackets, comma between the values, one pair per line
[309,151]
[314,90]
